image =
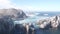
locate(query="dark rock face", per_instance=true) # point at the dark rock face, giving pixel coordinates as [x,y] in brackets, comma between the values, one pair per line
[6,25]
[18,29]
[15,14]
[7,16]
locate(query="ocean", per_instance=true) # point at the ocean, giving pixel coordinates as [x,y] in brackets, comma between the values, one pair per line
[54,31]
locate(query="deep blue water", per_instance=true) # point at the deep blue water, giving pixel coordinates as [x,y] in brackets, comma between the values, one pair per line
[55,31]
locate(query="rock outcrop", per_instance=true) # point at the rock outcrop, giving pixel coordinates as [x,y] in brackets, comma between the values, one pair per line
[53,22]
[15,14]
[7,16]
[29,28]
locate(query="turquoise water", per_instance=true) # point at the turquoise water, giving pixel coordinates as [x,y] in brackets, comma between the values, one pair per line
[33,19]
[35,16]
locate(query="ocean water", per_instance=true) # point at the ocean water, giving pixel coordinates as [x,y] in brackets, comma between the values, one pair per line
[34,17]
[55,31]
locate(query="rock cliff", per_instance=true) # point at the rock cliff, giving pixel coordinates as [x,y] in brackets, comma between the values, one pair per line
[15,14]
[6,25]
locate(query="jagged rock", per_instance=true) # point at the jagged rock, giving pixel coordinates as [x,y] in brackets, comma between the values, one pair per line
[53,22]
[43,23]
[15,14]
[29,28]
[6,25]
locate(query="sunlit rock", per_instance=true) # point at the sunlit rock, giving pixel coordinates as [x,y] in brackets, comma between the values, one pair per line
[52,21]
[43,23]
[55,22]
